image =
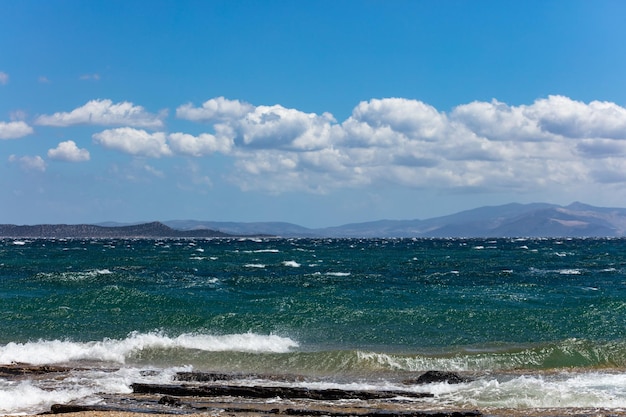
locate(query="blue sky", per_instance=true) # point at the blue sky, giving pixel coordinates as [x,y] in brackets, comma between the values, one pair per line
[318,113]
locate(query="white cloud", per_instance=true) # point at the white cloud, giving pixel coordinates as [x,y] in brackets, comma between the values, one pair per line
[554,141]
[104,112]
[29,163]
[201,145]
[411,118]
[68,151]
[279,127]
[499,122]
[4,78]
[564,116]
[134,141]
[14,130]
[214,109]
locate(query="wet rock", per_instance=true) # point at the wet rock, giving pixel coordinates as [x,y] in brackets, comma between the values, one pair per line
[171,401]
[437,376]
[382,413]
[269,392]
[216,376]
[69,408]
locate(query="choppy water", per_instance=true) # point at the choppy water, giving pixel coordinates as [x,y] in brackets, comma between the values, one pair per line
[543,318]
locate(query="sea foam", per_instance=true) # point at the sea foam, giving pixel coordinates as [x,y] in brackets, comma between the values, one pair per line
[118,351]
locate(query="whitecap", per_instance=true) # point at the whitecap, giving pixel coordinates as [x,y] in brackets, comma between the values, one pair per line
[118,351]
[570,271]
[293,264]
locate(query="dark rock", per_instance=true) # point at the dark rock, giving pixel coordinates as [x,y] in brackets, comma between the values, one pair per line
[169,400]
[269,392]
[68,408]
[382,413]
[216,376]
[437,376]
[203,376]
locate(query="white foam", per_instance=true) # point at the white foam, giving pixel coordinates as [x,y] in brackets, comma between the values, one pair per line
[254,266]
[561,390]
[338,274]
[570,271]
[25,398]
[118,351]
[292,264]
[37,395]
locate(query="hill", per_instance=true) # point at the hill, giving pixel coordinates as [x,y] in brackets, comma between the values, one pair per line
[147,230]
[510,220]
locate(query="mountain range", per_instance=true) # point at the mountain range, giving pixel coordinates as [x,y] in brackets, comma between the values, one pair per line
[510,220]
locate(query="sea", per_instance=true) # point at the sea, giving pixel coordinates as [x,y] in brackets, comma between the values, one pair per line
[531,323]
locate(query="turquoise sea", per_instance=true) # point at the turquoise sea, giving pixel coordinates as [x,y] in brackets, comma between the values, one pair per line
[534,322]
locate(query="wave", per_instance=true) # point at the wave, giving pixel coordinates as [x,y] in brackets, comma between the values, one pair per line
[119,351]
[566,354]
[283,354]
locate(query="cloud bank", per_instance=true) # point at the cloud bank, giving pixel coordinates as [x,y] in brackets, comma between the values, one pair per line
[481,145]
[68,151]
[29,163]
[485,146]
[14,130]
[104,112]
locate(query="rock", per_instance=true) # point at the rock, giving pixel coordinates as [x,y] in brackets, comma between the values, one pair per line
[382,413]
[269,392]
[67,408]
[437,376]
[169,400]
[215,376]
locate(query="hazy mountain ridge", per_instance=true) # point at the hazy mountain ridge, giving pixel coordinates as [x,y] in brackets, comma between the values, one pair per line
[148,230]
[510,220]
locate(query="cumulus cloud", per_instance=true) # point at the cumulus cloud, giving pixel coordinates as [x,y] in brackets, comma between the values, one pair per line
[553,142]
[480,145]
[104,112]
[29,163]
[271,127]
[201,145]
[14,130]
[214,109]
[134,141]
[497,121]
[564,116]
[68,151]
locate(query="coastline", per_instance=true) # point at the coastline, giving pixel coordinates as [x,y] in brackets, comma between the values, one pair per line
[219,394]
[237,409]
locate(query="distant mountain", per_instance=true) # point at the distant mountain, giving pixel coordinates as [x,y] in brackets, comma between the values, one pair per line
[240,229]
[148,230]
[510,220]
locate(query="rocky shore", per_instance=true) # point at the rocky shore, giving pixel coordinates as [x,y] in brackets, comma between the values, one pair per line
[202,393]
